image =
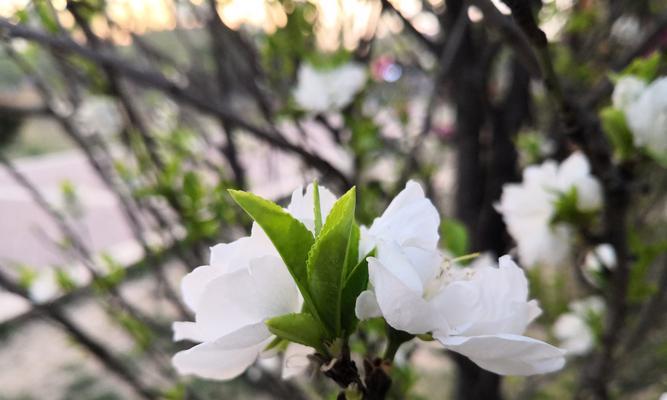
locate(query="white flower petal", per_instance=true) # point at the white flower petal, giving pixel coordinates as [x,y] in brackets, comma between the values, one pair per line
[410,220]
[507,354]
[295,360]
[194,283]
[367,306]
[302,205]
[185,330]
[627,91]
[402,307]
[263,290]
[225,358]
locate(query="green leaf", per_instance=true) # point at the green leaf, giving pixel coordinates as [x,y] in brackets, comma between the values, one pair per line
[290,237]
[352,257]
[327,260]
[646,68]
[616,128]
[455,237]
[64,280]
[356,282]
[300,328]
[318,208]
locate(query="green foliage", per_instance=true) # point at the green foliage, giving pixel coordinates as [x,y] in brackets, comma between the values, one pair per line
[454,236]
[365,137]
[140,332]
[324,61]
[317,212]
[64,280]
[300,328]
[646,68]
[27,276]
[290,237]
[550,289]
[645,254]
[355,283]
[176,392]
[327,260]
[615,126]
[567,210]
[46,16]
[282,50]
[581,20]
[529,145]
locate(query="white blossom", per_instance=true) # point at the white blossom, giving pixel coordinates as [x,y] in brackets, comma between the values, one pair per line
[99,115]
[529,207]
[329,89]
[480,312]
[245,284]
[627,90]
[573,329]
[626,30]
[647,117]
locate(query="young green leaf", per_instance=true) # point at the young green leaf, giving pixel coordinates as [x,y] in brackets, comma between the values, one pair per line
[352,254]
[356,282]
[290,237]
[327,259]
[616,128]
[300,328]
[455,236]
[317,208]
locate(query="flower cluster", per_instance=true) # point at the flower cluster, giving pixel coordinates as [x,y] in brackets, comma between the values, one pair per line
[305,272]
[531,208]
[645,109]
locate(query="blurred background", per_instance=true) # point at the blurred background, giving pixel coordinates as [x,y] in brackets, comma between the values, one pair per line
[123,122]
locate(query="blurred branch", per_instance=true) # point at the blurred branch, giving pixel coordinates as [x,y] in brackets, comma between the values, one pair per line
[649,314]
[22,112]
[155,80]
[102,165]
[77,243]
[53,313]
[653,41]
[512,35]
[582,127]
[428,43]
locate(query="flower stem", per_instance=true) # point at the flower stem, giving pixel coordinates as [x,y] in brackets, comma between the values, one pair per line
[395,339]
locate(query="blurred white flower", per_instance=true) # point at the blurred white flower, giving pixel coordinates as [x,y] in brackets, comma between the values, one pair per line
[626,30]
[245,284]
[529,207]
[647,117]
[330,89]
[601,257]
[627,90]
[99,115]
[663,396]
[573,329]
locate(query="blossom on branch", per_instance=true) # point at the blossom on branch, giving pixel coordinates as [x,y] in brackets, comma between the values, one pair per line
[480,312]
[329,89]
[245,284]
[532,209]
